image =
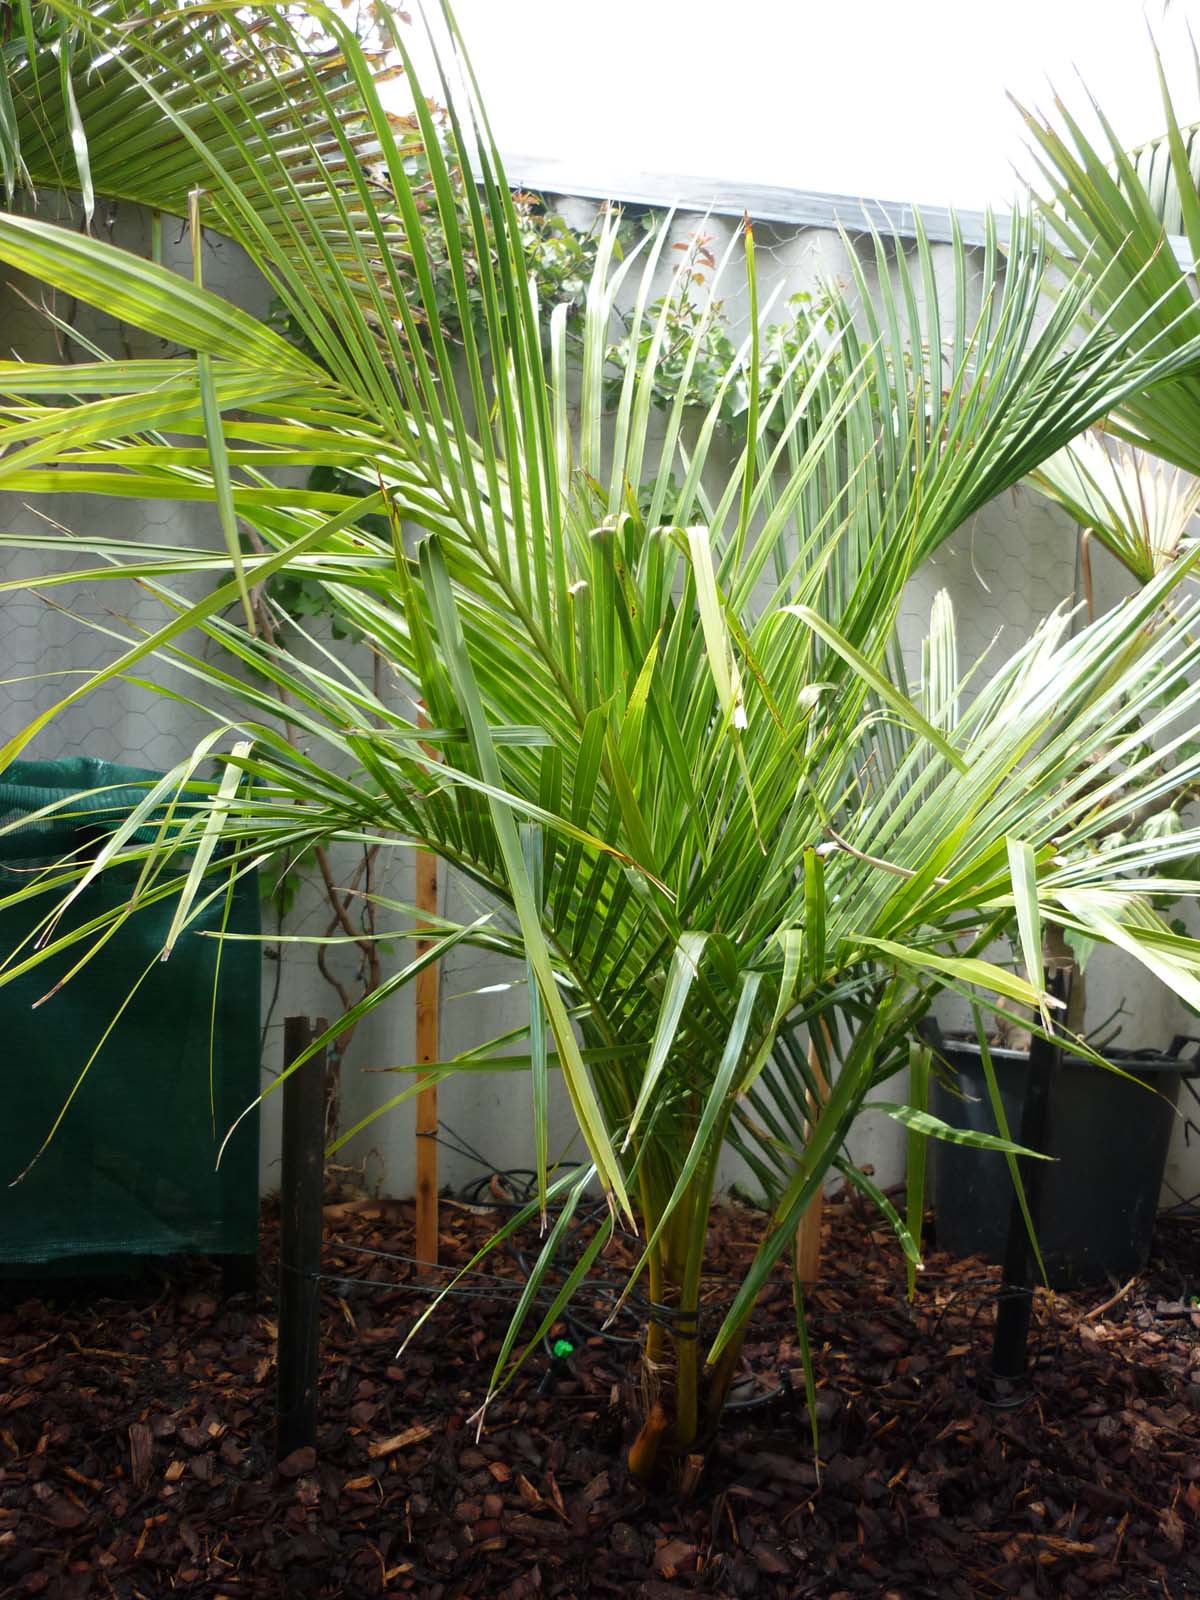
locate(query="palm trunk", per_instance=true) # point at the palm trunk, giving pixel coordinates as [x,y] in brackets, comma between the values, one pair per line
[671,1376]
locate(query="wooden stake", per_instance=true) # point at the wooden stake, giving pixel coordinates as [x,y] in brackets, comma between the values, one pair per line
[808,1231]
[301,1194]
[427,1051]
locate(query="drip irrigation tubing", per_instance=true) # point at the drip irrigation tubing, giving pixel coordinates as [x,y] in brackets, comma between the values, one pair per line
[512,1190]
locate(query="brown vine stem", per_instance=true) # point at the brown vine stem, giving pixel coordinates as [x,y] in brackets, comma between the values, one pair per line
[369,973]
[1085,568]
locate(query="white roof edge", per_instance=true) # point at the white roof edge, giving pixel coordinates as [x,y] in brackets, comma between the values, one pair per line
[806,208]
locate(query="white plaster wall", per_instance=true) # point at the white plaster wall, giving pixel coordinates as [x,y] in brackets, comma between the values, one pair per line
[1008,568]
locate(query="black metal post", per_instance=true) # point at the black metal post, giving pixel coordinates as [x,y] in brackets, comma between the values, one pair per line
[301,1195]
[1010,1342]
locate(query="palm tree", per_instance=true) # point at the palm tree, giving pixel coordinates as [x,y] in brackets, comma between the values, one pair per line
[675,749]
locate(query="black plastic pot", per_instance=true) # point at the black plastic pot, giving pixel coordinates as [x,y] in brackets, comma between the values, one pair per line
[1108,1137]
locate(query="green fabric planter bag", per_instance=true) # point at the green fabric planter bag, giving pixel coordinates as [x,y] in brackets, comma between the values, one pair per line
[132,1169]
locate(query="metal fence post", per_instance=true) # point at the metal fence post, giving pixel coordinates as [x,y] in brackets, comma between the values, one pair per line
[301,1196]
[1010,1357]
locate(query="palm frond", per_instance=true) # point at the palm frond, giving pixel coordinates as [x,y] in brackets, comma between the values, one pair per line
[1137,505]
[1112,211]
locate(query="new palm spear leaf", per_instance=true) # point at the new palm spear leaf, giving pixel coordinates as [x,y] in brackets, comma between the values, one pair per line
[674,741]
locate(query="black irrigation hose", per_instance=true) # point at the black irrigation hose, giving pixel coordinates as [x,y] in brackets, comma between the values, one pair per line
[430,1289]
[521,1184]
[522,1181]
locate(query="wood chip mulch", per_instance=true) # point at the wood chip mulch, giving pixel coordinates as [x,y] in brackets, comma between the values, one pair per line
[137,1461]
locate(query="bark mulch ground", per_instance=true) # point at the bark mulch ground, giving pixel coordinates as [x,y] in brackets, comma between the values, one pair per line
[136,1453]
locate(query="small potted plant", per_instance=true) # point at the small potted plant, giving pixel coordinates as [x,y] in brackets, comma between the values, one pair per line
[1108,1132]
